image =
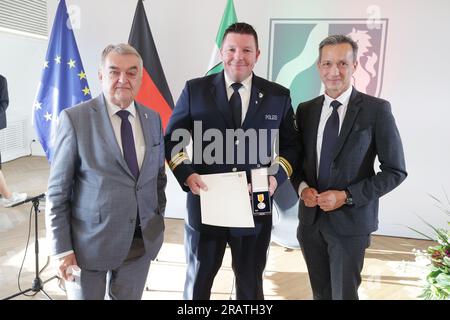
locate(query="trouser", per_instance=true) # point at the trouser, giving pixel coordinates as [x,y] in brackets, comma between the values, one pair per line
[334,261]
[127,282]
[204,254]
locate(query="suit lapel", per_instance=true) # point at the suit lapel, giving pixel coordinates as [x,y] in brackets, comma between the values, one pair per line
[147,133]
[106,131]
[219,93]
[256,98]
[350,116]
[314,119]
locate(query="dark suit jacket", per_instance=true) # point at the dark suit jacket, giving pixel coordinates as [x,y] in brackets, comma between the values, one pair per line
[4,101]
[204,101]
[368,130]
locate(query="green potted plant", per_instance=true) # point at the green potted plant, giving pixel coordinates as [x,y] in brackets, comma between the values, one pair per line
[436,258]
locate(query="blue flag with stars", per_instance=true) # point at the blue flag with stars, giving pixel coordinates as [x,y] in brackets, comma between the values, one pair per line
[63,81]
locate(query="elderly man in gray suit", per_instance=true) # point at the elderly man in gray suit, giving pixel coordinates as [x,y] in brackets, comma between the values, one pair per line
[106,198]
[341,133]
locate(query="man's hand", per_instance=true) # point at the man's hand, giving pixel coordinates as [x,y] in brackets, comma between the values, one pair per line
[331,199]
[195,183]
[273,184]
[64,263]
[309,197]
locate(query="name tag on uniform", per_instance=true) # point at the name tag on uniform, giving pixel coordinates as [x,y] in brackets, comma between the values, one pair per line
[272,117]
[260,192]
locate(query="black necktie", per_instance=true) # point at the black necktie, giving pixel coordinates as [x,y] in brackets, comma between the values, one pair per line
[129,153]
[330,137]
[236,105]
[129,150]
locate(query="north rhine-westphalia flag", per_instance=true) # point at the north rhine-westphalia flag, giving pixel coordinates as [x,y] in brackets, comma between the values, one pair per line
[154,92]
[228,18]
[63,81]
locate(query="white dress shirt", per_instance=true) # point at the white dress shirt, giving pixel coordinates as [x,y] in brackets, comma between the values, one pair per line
[138,136]
[344,98]
[244,92]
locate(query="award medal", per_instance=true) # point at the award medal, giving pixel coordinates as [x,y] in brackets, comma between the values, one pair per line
[261,204]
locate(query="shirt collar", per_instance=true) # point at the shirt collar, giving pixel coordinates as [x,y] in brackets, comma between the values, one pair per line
[247,83]
[113,109]
[344,98]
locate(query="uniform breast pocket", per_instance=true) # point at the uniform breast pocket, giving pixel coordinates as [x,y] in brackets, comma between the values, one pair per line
[271,120]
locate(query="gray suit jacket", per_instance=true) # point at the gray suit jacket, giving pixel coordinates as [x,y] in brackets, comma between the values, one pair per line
[93,198]
[368,130]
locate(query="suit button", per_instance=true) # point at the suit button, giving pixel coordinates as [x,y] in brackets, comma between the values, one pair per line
[234,169]
[132,220]
[258,166]
[138,188]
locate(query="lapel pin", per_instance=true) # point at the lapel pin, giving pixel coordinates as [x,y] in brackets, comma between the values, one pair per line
[261,95]
[145,115]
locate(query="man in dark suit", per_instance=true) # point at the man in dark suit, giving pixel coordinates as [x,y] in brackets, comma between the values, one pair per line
[341,133]
[206,104]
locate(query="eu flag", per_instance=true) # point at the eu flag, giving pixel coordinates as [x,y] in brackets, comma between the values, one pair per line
[63,81]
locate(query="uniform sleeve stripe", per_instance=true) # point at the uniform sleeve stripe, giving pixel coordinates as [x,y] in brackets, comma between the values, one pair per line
[177,160]
[285,165]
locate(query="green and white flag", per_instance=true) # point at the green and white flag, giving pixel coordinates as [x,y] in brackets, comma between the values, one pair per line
[228,18]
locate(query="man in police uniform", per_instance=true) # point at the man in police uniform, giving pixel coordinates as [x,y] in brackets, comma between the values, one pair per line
[233,99]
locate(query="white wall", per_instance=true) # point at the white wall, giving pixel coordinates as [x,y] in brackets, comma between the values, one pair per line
[20,62]
[415,74]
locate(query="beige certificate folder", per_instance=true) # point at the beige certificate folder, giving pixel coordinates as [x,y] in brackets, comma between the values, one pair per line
[227,201]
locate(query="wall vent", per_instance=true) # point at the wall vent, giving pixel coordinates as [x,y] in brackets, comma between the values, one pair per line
[27,17]
[13,140]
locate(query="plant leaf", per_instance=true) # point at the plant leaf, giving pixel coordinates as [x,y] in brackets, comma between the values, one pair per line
[421,233]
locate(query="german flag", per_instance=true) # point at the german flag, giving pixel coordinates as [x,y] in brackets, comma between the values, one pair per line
[154,92]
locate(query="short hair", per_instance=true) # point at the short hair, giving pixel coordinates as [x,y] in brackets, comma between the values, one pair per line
[241,28]
[122,49]
[338,39]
